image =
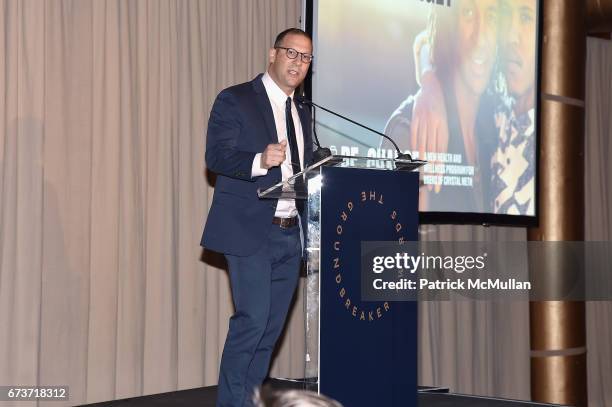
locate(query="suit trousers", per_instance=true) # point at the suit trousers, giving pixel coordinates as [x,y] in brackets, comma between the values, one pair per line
[262,285]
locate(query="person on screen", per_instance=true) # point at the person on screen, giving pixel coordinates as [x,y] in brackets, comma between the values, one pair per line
[463,48]
[513,163]
[257,136]
[513,160]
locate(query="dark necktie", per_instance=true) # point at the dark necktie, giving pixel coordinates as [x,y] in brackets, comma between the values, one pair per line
[295,153]
[293,146]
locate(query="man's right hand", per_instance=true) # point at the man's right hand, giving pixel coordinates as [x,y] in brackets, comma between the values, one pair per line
[273,155]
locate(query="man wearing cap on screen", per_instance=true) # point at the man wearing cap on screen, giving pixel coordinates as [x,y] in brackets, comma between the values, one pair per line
[513,163]
[257,136]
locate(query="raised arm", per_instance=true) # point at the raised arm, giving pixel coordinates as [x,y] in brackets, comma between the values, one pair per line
[429,127]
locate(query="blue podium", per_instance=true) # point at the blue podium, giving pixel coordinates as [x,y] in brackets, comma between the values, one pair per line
[357,352]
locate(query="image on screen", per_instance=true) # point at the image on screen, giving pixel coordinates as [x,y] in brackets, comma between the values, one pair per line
[452,82]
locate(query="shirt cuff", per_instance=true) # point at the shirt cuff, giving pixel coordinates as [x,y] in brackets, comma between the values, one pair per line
[256,169]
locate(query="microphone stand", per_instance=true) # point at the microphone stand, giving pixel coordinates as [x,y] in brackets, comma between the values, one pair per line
[400,155]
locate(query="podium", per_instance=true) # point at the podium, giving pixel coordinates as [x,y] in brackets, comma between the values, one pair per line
[359,353]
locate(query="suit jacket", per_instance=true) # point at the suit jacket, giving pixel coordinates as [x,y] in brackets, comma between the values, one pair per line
[241,125]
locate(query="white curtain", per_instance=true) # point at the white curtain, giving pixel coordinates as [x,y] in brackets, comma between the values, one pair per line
[475,347]
[598,210]
[103,107]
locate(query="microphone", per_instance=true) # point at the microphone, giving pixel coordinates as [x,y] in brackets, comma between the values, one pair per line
[321,152]
[400,155]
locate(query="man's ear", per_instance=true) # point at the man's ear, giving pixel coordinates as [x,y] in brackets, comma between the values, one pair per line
[271,55]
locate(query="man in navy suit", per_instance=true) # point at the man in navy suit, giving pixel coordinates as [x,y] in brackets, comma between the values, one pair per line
[258,136]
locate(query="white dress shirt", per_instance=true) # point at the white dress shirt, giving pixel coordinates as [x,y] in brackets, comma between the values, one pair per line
[286,207]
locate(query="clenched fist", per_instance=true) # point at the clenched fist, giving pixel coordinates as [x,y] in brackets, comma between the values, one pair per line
[273,155]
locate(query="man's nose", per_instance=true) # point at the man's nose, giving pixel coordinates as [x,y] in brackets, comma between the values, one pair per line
[513,29]
[478,36]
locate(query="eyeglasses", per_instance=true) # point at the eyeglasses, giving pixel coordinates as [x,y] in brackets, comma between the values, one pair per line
[292,54]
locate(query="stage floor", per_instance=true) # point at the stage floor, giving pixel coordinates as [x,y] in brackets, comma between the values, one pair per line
[205,397]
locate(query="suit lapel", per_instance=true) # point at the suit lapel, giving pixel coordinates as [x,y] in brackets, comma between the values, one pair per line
[263,104]
[305,119]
